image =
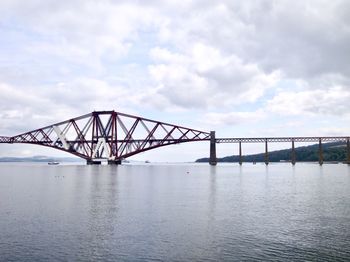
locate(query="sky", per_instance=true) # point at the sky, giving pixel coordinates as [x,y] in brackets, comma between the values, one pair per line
[242,68]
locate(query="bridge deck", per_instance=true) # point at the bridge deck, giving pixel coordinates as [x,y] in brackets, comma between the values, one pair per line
[282,139]
[218,140]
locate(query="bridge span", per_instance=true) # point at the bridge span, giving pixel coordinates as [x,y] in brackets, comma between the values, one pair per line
[267,140]
[114,136]
[108,135]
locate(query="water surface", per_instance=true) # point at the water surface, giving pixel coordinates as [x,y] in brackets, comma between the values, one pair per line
[189,212]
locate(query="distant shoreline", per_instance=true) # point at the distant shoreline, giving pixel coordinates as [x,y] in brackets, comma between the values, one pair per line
[38,159]
[332,152]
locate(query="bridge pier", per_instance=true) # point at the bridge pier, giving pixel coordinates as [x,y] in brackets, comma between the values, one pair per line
[293,156]
[212,158]
[114,162]
[320,152]
[266,153]
[348,151]
[240,153]
[92,162]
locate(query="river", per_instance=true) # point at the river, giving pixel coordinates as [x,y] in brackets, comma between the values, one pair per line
[175,212]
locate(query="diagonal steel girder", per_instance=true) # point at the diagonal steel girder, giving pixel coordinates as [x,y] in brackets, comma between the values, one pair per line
[108,135]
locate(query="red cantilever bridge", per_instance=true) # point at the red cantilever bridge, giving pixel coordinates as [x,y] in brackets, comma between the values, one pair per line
[113,136]
[108,135]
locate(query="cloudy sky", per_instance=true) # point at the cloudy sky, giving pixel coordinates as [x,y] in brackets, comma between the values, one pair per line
[242,68]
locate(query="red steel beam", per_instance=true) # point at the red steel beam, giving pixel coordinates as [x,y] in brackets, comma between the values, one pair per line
[116,136]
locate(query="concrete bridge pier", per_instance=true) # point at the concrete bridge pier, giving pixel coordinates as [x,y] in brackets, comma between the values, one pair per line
[212,158]
[293,156]
[320,152]
[92,162]
[114,162]
[266,153]
[240,153]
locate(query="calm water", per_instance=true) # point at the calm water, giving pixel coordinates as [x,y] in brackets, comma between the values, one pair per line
[174,213]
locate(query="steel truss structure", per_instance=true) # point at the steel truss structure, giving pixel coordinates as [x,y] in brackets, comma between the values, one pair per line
[115,136]
[108,135]
[282,139]
[5,139]
[293,140]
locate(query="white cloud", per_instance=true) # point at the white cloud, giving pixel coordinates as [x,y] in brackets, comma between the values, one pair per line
[302,39]
[335,131]
[79,32]
[233,118]
[204,77]
[25,108]
[306,41]
[334,101]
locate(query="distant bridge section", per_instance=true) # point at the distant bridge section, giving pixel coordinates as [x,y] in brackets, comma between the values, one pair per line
[267,140]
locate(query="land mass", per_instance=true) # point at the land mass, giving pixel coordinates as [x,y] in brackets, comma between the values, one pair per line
[39,159]
[335,151]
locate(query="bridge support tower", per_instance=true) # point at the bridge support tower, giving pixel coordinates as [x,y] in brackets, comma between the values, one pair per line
[293,156]
[92,162]
[320,152]
[240,153]
[212,158]
[114,162]
[266,153]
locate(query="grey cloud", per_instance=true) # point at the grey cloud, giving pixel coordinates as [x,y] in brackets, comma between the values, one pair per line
[204,77]
[249,46]
[303,39]
[307,41]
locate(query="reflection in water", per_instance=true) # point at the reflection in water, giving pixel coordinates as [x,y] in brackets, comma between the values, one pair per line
[175,212]
[212,193]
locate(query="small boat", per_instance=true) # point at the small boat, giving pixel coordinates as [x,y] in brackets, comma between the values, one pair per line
[53,163]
